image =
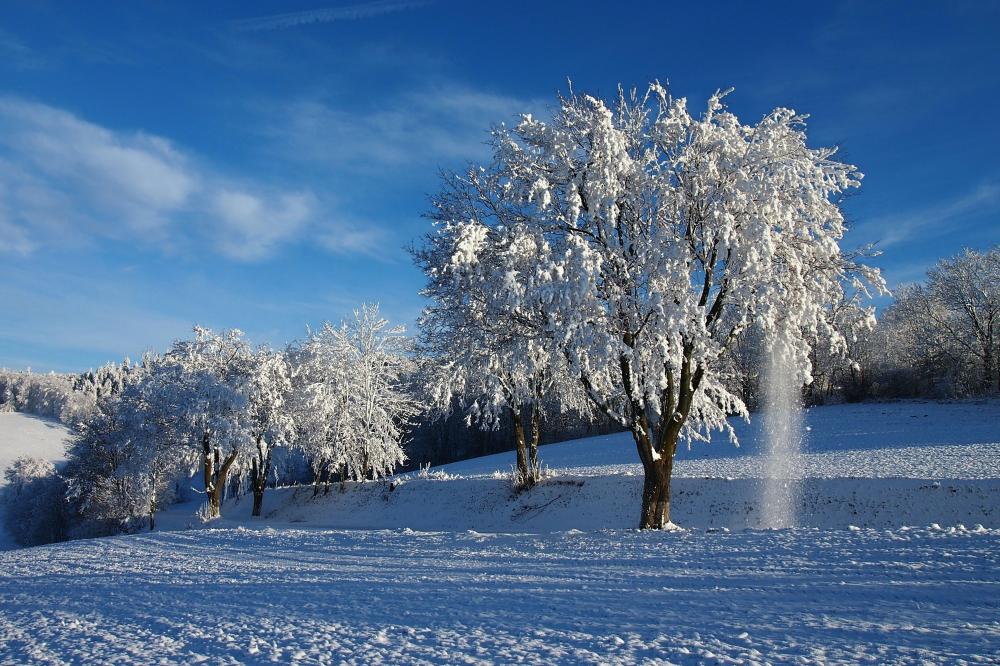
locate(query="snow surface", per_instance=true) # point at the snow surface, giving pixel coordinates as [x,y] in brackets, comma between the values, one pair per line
[453,567]
[26,435]
[317,596]
[911,439]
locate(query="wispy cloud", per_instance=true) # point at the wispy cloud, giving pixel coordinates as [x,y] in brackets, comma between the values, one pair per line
[438,126]
[251,227]
[66,180]
[14,52]
[898,228]
[357,12]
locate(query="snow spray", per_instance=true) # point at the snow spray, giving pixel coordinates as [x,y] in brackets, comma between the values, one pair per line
[783,440]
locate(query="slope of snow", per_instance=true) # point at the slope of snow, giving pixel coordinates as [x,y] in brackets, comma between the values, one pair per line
[26,435]
[912,439]
[315,597]
[470,572]
[882,465]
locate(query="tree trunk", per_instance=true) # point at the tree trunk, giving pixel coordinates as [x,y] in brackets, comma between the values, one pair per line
[655,496]
[260,467]
[658,467]
[219,483]
[536,435]
[207,466]
[524,475]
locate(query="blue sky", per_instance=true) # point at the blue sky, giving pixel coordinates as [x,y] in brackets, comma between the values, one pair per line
[262,165]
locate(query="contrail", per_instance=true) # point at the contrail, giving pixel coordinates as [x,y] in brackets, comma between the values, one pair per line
[328,15]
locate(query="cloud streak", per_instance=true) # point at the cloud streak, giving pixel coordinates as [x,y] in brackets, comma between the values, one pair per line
[900,228]
[357,12]
[444,125]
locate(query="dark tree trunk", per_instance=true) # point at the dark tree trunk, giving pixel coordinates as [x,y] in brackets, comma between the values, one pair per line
[524,475]
[536,435]
[218,482]
[656,494]
[260,467]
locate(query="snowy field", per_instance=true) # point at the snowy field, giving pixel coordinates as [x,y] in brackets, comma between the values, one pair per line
[911,439]
[316,596]
[896,561]
[25,435]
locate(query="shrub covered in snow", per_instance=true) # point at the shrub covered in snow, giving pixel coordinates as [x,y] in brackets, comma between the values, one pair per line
[33,502]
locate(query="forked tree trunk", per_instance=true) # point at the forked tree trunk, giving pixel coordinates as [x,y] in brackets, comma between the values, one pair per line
[528,469]
[260,467]
[655,513]
[219,486]
[536,435]
[216,470]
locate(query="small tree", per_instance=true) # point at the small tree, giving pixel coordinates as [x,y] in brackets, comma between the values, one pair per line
[122,461]
[269,418]
[653,239]
[491,364]
[354,397]
[34,502]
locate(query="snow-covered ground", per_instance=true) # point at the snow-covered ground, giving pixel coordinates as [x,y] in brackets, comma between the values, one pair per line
[910,439]
[317,596]
[897,561]
[875,465]
[25,435]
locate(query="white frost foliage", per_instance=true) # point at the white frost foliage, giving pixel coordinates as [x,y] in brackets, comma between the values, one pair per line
[354,396]
[629,245]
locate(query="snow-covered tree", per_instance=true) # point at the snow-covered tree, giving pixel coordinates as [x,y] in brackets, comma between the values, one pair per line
[491,365]
[203,384]
[269,417]
[124,459]
[656,237]
[964,304]
[34,502]
[354,397]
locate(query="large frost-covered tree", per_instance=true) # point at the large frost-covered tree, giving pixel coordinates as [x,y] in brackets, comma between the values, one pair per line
[203,385]
[647,239]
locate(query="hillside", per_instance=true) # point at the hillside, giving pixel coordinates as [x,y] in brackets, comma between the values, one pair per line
[872,465]
[26,435]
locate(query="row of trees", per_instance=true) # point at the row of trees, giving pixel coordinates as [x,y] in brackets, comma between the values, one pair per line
[216,405]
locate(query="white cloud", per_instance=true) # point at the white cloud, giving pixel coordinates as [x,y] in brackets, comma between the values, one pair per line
[66,180]
[328,15]
[252,227]
[356,238]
